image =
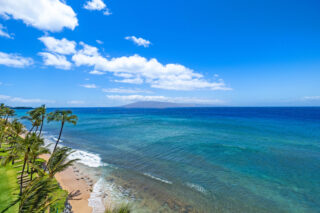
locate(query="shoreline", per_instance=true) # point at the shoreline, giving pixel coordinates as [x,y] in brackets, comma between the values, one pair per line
[78,185]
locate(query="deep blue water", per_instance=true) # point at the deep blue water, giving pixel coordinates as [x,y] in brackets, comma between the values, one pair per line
[209,159]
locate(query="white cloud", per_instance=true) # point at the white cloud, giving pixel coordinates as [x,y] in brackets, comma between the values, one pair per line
[75,102]
[62,46]
[107,12]
[134,98]
[48,15]
[14,60]
[136,69]
[24,100]
[124,90]
[312,98]
[97,5]
[4,97]
[58,61]
[4,33]
[89,86]
[137,80]
[95,72]
[99,42]
[138,41]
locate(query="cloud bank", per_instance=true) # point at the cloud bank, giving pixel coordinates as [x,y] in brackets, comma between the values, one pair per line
[137,70]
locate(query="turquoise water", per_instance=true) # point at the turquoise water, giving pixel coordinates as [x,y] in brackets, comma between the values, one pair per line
[205,159]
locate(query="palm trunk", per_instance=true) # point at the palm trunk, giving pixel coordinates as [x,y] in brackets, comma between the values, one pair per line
[34,160]
[31,129]
[55,147]
[41,125]
[24,166]
[6,120]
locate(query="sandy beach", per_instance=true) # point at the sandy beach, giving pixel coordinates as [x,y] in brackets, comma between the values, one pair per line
[78,185]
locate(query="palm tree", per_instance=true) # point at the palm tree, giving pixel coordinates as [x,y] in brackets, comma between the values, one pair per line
[2,133]
[2,110]
[17,127]
[42,111]
[37,196]
[26,146]
[36,118]
[64,116]
[58,161]
[8,113]
[15,151]
[36,149]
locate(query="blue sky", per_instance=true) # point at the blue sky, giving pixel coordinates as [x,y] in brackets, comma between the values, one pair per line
[108,53]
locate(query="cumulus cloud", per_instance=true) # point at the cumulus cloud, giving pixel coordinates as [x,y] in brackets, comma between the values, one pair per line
[48,15]
[134,98]
[75,102]
[24,100]
[136,69]
[58,61]
[89,86]
[124,90]
[14,60]
[3,32]
[138,41]
[61,46]
[96,72]
[99,41]
[97,5]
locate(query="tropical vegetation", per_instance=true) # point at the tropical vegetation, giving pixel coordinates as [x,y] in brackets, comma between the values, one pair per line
[27,183]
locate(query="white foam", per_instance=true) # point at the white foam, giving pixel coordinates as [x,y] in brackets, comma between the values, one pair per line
[86,158]
[96,197]
[157,178]
[197,187]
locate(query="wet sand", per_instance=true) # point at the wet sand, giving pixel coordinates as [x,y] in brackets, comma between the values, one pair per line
[78,185]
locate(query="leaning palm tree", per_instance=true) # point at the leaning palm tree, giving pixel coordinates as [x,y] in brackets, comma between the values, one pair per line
[42,111]
[58,161]
[37,196]
[35,117]
[26,148]
[8,113]
[64,116]
[36,149]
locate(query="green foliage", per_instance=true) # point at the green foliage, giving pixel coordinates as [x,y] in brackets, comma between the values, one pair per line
[58,161]
[123,208]
[64,116]
[39,191]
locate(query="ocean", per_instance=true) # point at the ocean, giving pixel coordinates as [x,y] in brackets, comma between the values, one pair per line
[223,159]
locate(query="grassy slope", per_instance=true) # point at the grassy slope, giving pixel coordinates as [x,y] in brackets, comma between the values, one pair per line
[8,187]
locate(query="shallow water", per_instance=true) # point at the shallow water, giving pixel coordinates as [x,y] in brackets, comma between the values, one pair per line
[203,159]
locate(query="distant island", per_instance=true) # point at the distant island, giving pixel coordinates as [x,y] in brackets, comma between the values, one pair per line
[21,107]
[160,105]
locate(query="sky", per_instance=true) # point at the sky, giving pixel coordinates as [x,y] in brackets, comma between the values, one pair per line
[100,53]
